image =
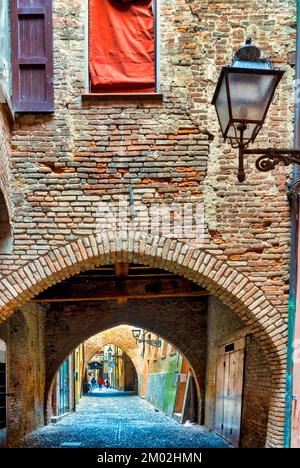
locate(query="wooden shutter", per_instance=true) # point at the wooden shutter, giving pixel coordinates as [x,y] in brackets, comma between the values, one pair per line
[32,55]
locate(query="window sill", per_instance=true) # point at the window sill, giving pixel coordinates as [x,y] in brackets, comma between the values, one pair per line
[122,96]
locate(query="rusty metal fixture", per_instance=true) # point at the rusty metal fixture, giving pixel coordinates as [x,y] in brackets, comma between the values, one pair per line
[242,99]
[137,333]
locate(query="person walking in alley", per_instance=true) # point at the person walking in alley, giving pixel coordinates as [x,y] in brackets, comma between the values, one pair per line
[93,382]
[107,384]
[100,383]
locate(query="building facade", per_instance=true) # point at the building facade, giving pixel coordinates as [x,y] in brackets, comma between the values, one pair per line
[74,147]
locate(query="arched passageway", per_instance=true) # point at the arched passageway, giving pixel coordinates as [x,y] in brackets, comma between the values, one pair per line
[120,336]
[148,366]
[175,319]
[164,384]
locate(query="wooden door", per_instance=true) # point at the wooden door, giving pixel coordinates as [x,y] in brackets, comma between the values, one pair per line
[3,397]
[229,391]
[181,387]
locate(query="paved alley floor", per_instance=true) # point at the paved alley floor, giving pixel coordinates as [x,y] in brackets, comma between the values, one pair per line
[120,419]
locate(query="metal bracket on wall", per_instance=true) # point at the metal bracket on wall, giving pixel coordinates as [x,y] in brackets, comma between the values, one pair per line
[268,159]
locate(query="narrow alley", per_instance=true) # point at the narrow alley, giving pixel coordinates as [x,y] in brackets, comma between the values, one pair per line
[149,226]
[111,418]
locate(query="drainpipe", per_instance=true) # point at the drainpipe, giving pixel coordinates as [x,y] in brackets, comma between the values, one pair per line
[294,198]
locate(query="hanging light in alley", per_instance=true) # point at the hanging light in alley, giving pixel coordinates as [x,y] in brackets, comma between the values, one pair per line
[137,333]
[242,98]
[244,93]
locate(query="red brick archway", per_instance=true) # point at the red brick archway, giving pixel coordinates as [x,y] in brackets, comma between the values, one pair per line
[120,336]
[72,330]
[113,342]
[232,287]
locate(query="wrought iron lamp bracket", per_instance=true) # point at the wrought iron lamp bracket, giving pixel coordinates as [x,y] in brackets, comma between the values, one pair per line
[268,159]
[155,343]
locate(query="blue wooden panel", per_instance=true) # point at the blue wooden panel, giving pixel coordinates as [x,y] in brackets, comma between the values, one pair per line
[156,389]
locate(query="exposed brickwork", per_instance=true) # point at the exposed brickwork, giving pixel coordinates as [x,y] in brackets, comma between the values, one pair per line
[173,319]
[257,392]
[64,163]
[233,288]
[120,336]
[24,335]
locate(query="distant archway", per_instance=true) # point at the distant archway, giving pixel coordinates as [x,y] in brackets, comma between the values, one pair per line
[122,337]
[110,321]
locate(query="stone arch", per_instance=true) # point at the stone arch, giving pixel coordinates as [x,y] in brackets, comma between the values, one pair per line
[233,287]
[109,321]
[128,346]
[126,342]
[200,266]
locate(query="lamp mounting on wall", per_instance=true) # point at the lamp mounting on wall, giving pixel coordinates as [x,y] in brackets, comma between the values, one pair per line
[242,98]
[137,333]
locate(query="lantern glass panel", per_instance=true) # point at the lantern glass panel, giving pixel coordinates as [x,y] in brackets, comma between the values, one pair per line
[249,133]
[222,106]
[250,94]
[136,333]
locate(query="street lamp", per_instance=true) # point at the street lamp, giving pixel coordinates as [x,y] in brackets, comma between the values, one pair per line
[137,333]
[109,354]
[242,99]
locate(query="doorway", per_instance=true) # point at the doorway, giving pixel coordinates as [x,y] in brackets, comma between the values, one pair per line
[229,397]
[63,389]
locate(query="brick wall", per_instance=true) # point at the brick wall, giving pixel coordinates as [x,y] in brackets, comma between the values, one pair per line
[63,164]
[120,336]
[174,319]
[24,335]
[257,393]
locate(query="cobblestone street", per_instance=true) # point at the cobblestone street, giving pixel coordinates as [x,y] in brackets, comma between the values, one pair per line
[118,419]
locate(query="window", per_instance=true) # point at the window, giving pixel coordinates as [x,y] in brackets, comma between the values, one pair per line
[122,46]
[32,55]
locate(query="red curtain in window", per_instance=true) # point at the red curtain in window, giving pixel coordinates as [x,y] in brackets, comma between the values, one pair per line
[121,46]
